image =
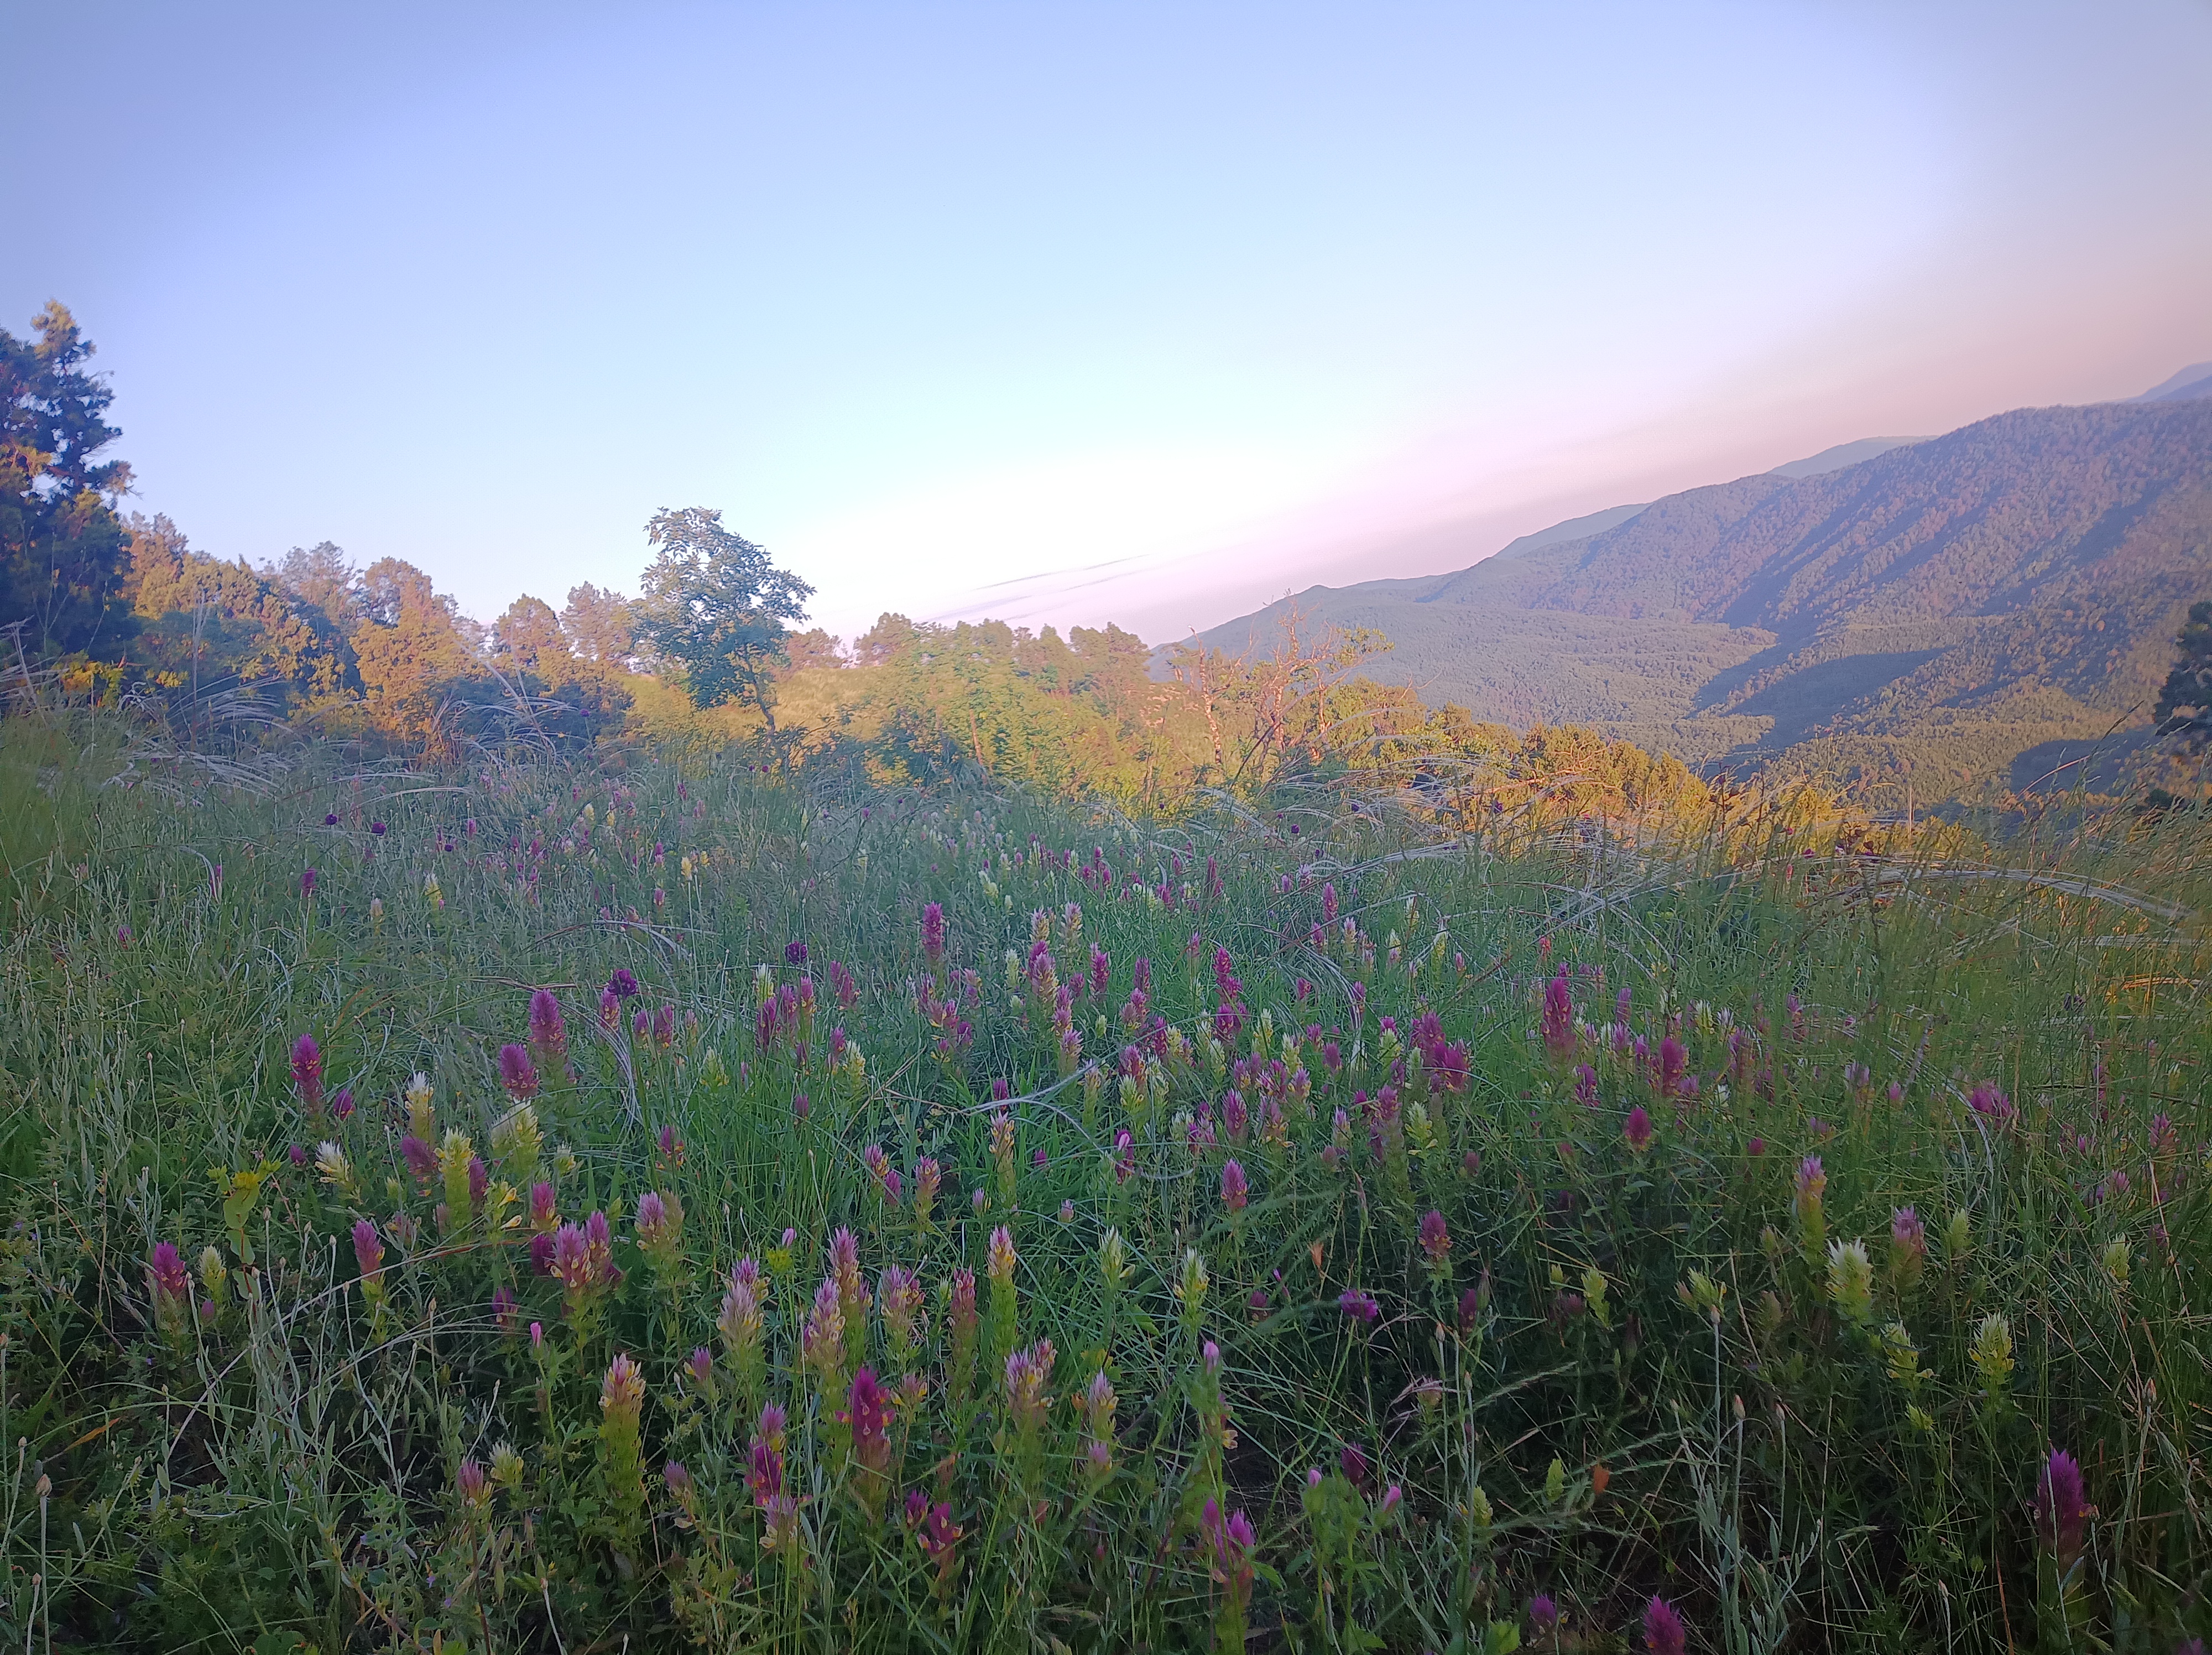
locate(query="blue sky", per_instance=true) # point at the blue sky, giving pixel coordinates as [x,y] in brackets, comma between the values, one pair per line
[1077,313]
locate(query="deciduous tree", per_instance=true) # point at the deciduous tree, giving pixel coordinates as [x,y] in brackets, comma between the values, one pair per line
[714,605]
[408,647]
[815,648]
[319,575]
[529,636]
[600,625]
[208,622]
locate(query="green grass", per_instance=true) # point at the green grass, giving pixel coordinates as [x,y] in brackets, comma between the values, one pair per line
[280,1462]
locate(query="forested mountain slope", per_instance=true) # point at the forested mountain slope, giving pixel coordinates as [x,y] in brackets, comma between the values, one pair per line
[1966,605]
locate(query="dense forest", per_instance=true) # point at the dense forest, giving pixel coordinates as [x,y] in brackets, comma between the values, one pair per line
[1969,612]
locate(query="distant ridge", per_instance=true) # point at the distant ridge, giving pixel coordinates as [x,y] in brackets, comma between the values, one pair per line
[1575,529]
[1975,610]
[1828,460]
[1843,454]
[2196,381]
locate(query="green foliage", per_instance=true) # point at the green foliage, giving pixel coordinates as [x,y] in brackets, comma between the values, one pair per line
[527,637]
[715,607]
[1598,1367]
[407,646]
[61,547]
[598,624]
[209,624]
[2184,702]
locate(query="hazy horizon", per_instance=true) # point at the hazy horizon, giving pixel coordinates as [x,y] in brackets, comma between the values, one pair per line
[1143,315]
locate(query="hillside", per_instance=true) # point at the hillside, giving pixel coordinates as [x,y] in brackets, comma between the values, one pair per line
[2194,380]
[1978,606]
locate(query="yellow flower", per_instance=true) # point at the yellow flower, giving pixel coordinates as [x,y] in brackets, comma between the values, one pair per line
[1851,1280]
[1190,1286]
[1992,1349]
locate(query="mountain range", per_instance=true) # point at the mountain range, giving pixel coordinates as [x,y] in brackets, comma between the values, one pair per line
[1990,610]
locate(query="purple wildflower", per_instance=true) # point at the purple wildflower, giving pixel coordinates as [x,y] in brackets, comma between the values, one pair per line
[307,1071]
[2061,1510]
[1232,1544]
[171,1278]
[546,1032]
[1664,1631]
[1353,1461]
[1989,1101]
[1559,1017]
[517,1074]
[938,1537]
[1234,1191]
[868,1413]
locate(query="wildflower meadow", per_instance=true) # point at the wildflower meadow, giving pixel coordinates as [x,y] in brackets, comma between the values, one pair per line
[670,1205]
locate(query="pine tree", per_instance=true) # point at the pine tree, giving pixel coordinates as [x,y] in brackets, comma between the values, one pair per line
[62,550]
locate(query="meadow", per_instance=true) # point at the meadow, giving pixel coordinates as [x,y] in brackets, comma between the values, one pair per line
[649,1201]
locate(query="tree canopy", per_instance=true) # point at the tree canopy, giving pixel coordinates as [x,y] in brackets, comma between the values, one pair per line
[61,546]
[410,647]
[717,607]
[600,624]
[528,636]
[2184,703]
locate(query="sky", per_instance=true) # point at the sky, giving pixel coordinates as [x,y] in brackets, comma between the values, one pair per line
[1077,313]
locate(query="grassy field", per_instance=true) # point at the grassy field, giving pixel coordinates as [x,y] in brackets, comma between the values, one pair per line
[659,1206]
